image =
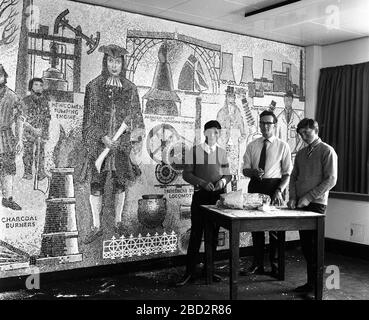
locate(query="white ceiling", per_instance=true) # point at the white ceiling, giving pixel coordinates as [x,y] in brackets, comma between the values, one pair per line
[306,22]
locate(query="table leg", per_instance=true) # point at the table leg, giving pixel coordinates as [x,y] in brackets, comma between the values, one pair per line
[319,259]
[209,263]
[234,246]
[281,255]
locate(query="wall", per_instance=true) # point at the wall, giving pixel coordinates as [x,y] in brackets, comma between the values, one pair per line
[317,57]
[348,52]
[342,215]
[177,78]
[348,220]
[314,61]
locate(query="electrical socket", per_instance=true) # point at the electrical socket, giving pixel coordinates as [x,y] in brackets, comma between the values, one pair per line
[356,232]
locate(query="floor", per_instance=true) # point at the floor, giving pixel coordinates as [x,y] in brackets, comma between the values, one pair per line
[352,280]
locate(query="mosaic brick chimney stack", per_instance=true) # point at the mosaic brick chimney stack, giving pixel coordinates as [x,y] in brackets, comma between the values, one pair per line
[60,236]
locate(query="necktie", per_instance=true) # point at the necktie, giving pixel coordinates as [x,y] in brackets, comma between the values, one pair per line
[310,150]
[263,155]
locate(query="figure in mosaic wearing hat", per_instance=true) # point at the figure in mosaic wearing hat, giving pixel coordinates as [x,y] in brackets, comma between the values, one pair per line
[233,128]
[11,109]
[110,100]
[230,118]
[272,106]
[287,125]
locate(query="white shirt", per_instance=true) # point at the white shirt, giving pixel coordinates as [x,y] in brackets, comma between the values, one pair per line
[209,149]
[278,157]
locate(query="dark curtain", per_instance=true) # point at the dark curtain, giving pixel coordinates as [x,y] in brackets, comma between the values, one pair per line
[343,117]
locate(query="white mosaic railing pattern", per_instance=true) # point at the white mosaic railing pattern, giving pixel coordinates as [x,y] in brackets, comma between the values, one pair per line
[138,246]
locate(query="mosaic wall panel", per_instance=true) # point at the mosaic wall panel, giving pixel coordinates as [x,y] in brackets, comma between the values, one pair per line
[55,213]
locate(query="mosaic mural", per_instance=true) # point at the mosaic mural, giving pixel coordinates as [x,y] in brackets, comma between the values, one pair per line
[92,149]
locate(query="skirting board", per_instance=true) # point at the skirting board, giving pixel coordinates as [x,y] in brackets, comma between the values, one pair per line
[346,248]
[14,283]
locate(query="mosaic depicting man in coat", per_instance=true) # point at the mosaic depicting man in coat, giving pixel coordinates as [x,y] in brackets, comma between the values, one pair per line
[11,132]
[36,129]
[111,99]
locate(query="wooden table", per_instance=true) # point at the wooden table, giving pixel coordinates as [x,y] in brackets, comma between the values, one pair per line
[281,220]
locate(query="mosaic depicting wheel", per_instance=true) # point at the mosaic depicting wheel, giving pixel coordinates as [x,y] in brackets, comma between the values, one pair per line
[158,139]
[175,155]
[165,174]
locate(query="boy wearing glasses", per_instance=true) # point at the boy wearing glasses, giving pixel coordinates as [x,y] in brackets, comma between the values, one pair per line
[267,162]
[314,174]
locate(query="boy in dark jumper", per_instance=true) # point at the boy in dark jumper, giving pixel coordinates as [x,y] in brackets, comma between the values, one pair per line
[313,175]
[207,169]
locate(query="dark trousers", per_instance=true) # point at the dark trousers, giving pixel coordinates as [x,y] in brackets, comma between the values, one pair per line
[265,186]
[198,226]
[29,156]
[307,240]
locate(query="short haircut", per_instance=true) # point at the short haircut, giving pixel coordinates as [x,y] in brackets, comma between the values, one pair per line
[269,113]
[308,123]
[212,124]
[32,81]
[289,94]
